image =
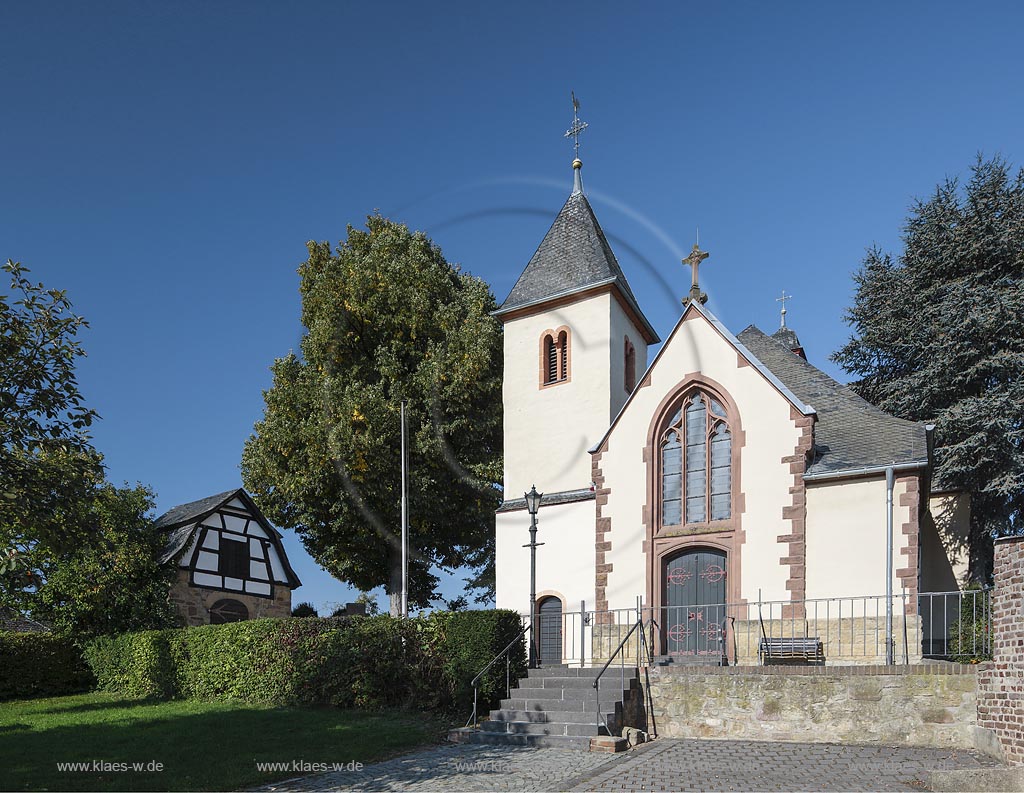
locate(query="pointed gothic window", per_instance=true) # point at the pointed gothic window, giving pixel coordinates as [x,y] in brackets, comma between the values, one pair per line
[554,357]
[696,463]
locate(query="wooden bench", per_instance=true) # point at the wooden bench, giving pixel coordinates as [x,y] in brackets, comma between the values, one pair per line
[789,649]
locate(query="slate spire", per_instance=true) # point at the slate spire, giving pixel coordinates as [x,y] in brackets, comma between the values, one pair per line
[573,256]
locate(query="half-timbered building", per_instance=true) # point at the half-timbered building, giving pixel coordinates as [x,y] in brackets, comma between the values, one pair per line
[231,563]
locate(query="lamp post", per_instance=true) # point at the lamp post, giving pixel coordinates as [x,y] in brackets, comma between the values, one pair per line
[533,504]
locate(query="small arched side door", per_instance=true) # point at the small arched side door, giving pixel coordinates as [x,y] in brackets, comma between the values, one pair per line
[549,634]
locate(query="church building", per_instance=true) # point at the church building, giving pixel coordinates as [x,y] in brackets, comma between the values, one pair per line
[727,470]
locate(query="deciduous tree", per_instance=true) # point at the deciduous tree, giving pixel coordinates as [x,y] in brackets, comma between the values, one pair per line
[387,319]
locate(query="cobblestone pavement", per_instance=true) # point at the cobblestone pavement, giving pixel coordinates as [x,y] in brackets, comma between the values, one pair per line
[683,765]
[465,767]
[664,765]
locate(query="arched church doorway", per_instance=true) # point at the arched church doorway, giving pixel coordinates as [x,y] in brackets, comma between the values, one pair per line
[549,634]
[694,603]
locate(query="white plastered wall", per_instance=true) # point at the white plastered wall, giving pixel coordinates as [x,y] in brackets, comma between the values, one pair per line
[764,480]
[565,563]
[622,326]
[548,430]
[944,542]
[846,530]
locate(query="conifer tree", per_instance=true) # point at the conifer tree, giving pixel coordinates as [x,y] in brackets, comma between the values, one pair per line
[939,337]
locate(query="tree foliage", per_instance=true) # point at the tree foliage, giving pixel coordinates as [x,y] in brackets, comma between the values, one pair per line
[113,582]
[74,550]
[939,337]
[387,319]
[47,463]
[305,609]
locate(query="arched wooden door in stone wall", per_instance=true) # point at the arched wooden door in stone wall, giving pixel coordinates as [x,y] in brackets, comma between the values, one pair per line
[694,603]
[549,615]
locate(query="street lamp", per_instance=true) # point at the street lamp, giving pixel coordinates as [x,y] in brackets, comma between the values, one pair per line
[533,504]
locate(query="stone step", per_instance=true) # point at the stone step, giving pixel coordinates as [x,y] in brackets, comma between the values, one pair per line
[577,742]
[564,671]
[550,716]
[534,728]
[557,705]
[586,694]
[610,680]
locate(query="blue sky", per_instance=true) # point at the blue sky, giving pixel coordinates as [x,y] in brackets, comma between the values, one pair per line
[166,164]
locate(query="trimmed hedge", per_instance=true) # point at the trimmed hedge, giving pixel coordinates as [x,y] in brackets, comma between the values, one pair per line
[363,662]
[40,665]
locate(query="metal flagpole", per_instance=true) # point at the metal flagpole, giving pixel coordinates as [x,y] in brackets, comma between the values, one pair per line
[405,524]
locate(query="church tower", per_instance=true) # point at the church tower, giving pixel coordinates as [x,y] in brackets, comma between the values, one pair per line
[575,342]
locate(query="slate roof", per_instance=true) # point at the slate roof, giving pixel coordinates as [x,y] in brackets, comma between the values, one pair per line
[15,622]
[573,256]
[850,432]
[549,500]
[787,337]
[193,510]
[180,523]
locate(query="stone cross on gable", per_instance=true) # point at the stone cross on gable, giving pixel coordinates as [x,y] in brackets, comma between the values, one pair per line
[694,259]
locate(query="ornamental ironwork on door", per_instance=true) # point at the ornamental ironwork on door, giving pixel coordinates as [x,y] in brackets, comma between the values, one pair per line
[694,605]
[549,615]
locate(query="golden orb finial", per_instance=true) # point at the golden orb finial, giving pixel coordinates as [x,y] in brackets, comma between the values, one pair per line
[577,163]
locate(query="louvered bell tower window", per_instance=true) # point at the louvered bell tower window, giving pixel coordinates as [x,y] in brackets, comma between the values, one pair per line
[555,357]
[696,463]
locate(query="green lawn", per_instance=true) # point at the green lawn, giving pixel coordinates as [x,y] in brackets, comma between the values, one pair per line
[202,745]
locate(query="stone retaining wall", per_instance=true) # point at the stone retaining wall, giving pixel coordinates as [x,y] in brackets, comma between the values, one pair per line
[1001,681]
[917,705]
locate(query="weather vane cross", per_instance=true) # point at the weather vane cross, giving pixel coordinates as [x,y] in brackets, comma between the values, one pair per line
[783,300]
[577,125]
[694,259]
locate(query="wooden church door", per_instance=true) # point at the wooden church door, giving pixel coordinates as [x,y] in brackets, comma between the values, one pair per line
[694,604]
[549,615]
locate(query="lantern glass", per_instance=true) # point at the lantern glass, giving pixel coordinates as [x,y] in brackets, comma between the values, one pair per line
[533,499]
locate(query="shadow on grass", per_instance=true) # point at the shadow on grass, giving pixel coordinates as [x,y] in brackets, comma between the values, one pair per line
[197,749]
[90,706]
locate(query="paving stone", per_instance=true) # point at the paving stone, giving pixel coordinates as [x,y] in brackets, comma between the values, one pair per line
[666,764]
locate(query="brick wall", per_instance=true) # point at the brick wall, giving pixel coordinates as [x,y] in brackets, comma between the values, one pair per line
[1001,681]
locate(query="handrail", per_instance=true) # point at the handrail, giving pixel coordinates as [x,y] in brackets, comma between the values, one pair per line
[597,680]
[476,680]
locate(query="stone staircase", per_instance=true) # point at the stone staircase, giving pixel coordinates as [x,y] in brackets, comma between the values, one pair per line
[556,706]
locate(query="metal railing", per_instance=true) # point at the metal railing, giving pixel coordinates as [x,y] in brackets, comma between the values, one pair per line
[852,630]
[956,625]
[643,653]
[508,680]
